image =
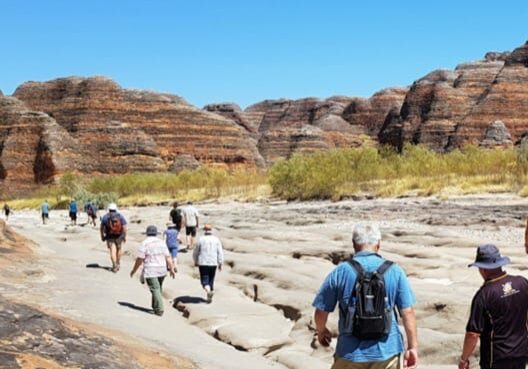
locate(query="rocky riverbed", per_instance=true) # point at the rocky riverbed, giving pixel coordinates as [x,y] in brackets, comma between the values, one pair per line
[277,255]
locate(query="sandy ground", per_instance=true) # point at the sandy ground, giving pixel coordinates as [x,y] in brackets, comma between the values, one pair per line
[277,256]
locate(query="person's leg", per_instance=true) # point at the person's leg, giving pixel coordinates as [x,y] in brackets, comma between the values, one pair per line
[112,248]
[188,237]
[193,236]
[212,273]
[155,290]
[119,253]
[204,278]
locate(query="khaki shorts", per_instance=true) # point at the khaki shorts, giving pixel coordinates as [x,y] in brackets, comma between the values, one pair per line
[392,363]
[117,242]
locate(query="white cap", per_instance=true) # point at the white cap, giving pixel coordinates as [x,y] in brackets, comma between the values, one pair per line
[112,207]
[366,234]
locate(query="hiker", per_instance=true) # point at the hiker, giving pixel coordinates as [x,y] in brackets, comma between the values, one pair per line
[7,211]
[156,260]
[44,211]
[73,211]
[498,315]
[190,215]
[114,231]
[368,330]
[207,256]
[176,216]
[171,240]
[91,211]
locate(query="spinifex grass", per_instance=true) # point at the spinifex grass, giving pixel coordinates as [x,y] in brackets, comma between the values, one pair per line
[384,172]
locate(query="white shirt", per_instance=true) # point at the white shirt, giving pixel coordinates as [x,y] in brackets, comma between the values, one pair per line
[153,252]
[190,214]
[208,251]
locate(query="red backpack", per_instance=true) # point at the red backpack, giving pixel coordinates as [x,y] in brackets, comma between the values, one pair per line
[114,227]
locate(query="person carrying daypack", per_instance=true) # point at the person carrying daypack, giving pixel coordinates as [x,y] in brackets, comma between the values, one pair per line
[368,289]
[91,211]
[114,230]
[176,216]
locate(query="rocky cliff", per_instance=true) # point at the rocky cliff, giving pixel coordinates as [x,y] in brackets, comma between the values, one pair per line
[448,109]
[91,125]
[284,127]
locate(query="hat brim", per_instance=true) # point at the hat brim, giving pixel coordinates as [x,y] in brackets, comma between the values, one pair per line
[497,264]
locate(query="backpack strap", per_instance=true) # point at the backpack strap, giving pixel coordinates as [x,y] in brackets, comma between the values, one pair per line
[358,268]
[384,267]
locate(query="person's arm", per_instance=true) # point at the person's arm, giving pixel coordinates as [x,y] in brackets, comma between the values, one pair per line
[526,237]
[102,231]
[410,358]
[197,220]
[220,255]
[323,334]
[470,342]
[196,252]
[172,268]
[136,266]
[125,228]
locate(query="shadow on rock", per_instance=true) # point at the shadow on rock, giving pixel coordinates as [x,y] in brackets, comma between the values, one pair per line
[189,300]
[136,307]
[97,266]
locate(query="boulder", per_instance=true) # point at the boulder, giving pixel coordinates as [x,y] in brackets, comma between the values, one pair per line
[496,135]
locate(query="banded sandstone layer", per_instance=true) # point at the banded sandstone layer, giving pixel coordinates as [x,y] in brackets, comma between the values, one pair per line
[91,125]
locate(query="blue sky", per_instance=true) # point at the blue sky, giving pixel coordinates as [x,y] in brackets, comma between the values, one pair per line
[248,51]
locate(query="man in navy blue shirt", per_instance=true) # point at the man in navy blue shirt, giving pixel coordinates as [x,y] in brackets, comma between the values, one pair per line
[337,289]
[498,315]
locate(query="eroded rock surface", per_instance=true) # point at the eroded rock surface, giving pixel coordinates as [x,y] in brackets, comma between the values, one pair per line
[128,130]
[448,109]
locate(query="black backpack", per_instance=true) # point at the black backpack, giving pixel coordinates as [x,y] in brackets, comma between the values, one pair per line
[370,318]
[176,216]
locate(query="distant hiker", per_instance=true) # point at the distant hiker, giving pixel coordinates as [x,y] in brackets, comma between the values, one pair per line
[7,211]
[498,315]
[73,211]
[171,240]
[114,231]
[207,256]
[367,288]
[176,216]
[191,220]
[44,211]
[156,260]
[91,211]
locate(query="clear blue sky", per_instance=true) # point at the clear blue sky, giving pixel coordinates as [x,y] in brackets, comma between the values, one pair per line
[247,51]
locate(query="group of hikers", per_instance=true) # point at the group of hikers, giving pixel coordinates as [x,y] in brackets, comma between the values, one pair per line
[372,292]
[157,256]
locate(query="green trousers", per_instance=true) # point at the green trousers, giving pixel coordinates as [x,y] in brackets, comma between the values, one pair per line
[155,284]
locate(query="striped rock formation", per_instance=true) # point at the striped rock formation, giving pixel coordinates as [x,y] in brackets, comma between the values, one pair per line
[448,109]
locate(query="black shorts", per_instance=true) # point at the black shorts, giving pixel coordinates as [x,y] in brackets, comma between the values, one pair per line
[45,215]
[190,231]
[73,215]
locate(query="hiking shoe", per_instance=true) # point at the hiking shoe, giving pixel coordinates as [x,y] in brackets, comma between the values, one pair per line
[158,313]
[210,295]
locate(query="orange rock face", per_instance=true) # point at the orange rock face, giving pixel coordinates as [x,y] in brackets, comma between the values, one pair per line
[127,130]
[448,109]
[91,125]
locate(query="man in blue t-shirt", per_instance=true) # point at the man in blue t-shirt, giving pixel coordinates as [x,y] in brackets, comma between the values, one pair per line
[337,289]
[44,211]
[73,211]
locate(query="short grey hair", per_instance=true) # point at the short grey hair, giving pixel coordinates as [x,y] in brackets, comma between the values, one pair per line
[366,234]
